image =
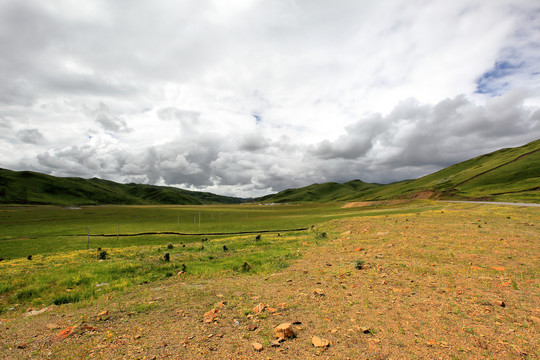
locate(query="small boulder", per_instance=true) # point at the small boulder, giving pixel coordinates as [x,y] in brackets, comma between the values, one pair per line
[257,346]
[284,331]
[319,342]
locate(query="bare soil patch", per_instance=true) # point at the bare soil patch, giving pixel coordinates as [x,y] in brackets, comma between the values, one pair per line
[371,203]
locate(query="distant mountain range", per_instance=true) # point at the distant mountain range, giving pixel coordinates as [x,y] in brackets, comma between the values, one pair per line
[505,175]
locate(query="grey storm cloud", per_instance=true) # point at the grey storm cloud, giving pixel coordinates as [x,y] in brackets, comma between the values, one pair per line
[31,136]
[249,97]
[415,134]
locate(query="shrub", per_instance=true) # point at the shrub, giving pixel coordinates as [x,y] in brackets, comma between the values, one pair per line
[359,264]
[167,257]
[66,298]
[170,246]
[246,267]
[26,294]
[102,255]
[29,257]
[258,237]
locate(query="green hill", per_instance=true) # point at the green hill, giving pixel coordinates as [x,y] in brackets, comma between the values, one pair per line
[505,175]
[326,192]
[18,187]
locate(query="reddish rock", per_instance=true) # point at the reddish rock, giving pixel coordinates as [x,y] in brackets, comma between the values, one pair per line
[257,346]
[319,342]
[259,308]
[284,331]
[210,316]
[74,330]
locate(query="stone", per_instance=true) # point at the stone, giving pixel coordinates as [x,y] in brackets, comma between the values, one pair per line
[259,308]
[319,292]
[319,342]
[252,327]
[52,326]
[36,312]
[103,315]
[210,316]
[221,304]
[501,303]
[74,330]
[365,329]
[257,346]
[284,331]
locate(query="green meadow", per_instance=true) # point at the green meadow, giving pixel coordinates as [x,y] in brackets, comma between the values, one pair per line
[57,255]
[31,230]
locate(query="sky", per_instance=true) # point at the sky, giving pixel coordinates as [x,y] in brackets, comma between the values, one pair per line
[251,97]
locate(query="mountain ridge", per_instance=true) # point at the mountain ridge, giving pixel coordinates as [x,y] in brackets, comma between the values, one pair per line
[509,174]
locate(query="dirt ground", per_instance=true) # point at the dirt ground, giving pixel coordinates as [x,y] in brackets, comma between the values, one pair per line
[456,284]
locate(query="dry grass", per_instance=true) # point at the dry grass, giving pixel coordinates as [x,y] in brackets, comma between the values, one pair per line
[430,287]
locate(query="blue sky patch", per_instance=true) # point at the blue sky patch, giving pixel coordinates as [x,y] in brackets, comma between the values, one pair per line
[492,82]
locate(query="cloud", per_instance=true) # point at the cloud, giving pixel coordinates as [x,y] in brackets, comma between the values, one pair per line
[109,122]
[415,138]
[112,124]
[31,136]
[5,123]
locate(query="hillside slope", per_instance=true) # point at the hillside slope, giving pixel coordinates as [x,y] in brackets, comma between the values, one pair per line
[326,192]
[20,187]
[511,174]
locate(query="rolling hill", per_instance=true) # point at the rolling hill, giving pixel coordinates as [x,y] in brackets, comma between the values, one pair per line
[511,174]
[26,187]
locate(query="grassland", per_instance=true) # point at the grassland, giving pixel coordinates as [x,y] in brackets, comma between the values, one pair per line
[433,280]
